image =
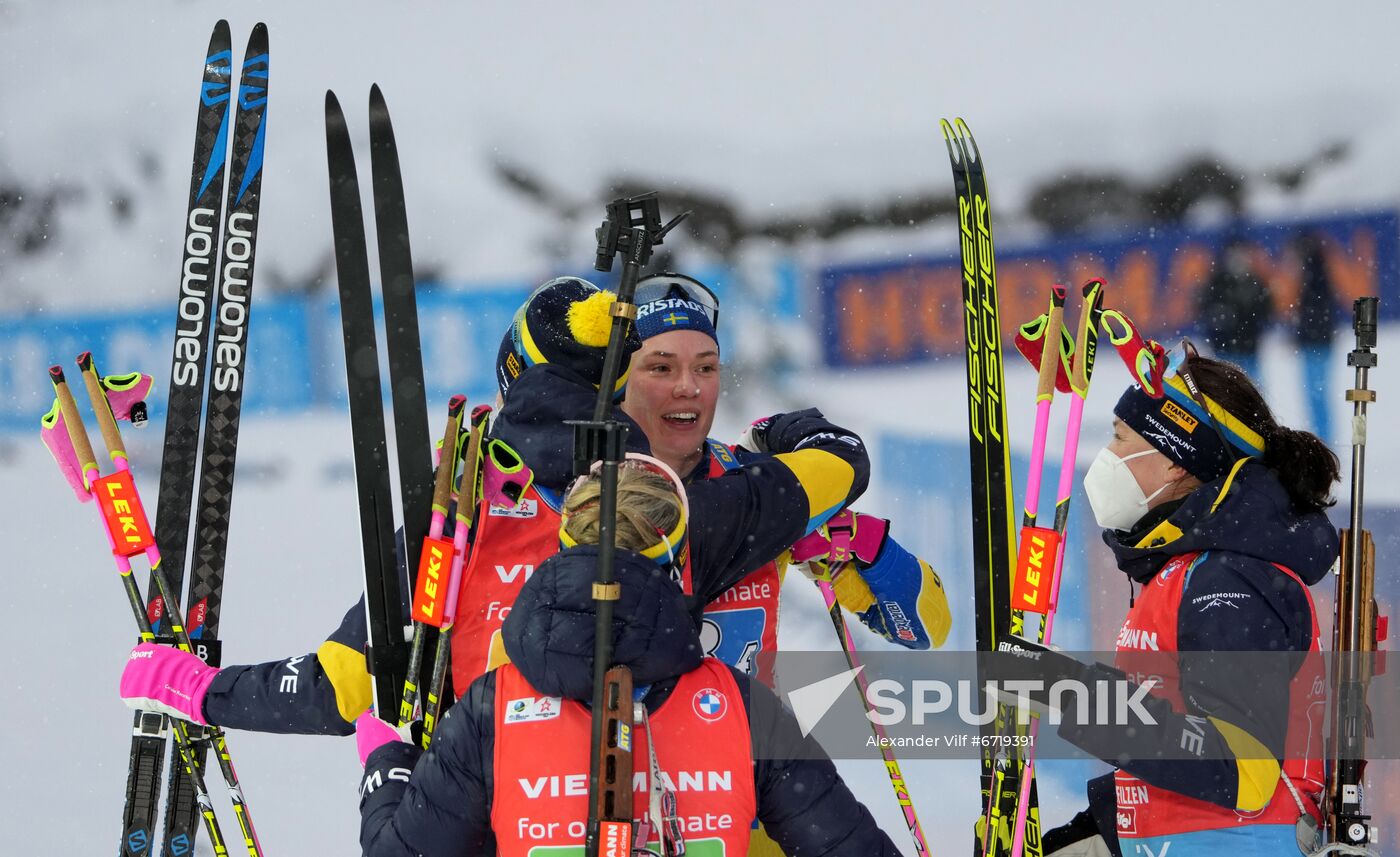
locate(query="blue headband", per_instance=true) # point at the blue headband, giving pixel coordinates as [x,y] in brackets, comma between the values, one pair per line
[1206,444]
[673,313]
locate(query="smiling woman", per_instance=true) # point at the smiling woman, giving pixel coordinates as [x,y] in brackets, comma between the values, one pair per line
[674,382]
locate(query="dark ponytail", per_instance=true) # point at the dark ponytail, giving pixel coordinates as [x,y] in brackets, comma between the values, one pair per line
[1302,462]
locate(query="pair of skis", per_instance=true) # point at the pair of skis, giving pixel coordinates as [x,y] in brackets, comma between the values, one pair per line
[993,534]
[388,655]
[220,241]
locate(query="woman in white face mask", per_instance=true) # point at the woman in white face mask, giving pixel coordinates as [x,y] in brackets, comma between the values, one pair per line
[1130,477]
[1214,512]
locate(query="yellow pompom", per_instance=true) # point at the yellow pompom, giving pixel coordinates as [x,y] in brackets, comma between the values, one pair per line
[590,319]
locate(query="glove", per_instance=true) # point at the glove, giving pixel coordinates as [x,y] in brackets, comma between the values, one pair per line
[892,592]
[371,733]
[167,680]
[782,433]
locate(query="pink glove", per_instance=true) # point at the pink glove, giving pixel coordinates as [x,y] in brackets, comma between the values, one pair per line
[167,680]
[371,733]
[848,535]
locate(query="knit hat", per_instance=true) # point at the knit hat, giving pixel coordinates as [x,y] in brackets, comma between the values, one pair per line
[565,322]
[668,301]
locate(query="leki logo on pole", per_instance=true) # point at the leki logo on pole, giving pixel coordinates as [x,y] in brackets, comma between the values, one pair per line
[121,508]
[1035,566]
[427,597]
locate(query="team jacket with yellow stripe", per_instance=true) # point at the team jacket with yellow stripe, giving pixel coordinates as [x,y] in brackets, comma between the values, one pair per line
[738,522]
[1226,570]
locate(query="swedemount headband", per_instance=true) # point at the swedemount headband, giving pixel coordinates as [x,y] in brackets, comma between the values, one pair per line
[1186,425]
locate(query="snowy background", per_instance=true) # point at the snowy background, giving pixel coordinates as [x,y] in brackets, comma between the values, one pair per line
[784,112]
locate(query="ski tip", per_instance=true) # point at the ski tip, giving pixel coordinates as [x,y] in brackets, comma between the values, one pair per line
[974,154]
[1057,294]
[56,374]
[259,35]
[456,404]
[332,103]
[84,361]
[220,33]
[376,95]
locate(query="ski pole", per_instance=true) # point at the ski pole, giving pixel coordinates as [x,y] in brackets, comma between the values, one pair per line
[1028,583]
[466,515]
[437,552]
[116,486]
[1085,347]
[136,518]
[1027,586]
[901,791]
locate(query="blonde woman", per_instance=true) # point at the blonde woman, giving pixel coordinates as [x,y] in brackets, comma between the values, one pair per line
[508,769]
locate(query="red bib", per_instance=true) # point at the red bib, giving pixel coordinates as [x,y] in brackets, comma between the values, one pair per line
[743,620]
[1147,811]
[507,547]
[540,787]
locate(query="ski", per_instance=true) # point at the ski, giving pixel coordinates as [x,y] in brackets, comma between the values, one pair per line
[401,330]
[175,497]
[993,525]
[222,411]
[386,656]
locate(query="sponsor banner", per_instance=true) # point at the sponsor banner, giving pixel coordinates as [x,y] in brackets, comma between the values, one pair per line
[908,312]
[280,364]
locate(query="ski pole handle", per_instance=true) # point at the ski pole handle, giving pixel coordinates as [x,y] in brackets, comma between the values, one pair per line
[106,422]
[73,421]
[1049,357]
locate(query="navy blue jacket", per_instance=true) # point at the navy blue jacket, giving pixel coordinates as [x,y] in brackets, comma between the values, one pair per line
[1234,600]
[737,523]
[445,807]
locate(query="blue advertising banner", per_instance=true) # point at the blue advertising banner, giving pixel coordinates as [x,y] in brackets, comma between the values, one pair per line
[910,311]
[296,358]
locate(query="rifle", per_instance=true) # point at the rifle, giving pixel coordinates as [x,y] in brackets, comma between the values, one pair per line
[631,229]
[1358,629]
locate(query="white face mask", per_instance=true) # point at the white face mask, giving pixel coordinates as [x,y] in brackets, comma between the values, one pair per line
[1114,494]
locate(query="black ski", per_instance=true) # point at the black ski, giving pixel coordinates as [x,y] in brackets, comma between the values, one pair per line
[387,654]
[401,334]
[993,522]
[198,284]
[226,380]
